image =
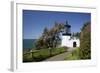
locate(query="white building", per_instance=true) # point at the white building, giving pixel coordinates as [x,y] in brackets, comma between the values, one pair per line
[67,40]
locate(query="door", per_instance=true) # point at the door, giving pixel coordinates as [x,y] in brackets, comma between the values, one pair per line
[74,44]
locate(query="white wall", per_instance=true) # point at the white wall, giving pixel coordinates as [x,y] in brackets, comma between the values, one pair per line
[66,41]
[77,42]
[5,37]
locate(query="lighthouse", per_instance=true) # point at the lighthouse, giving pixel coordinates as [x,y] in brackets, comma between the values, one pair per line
[66,37]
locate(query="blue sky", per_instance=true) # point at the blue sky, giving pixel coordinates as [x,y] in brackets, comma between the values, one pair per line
[35,21]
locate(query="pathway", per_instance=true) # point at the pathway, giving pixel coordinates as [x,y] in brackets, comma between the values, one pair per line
[60,56]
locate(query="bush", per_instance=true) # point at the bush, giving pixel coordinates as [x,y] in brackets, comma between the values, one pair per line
[85,42]
[27,57]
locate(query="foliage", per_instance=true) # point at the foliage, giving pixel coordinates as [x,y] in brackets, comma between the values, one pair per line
[50,37]
[85,42]
[74,55]
[42,54]
[77,35]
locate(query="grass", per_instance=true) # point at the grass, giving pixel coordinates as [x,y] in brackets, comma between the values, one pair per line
[56,51]
[74,55]
[42,54]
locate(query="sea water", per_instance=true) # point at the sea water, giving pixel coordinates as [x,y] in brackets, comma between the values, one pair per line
[29,43]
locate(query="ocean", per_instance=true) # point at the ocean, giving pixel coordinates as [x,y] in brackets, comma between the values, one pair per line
[29,43]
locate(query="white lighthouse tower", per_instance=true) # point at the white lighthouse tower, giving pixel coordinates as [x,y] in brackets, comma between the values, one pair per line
[66,38]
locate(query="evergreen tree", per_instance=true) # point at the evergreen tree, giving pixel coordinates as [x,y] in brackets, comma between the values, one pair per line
[85,41]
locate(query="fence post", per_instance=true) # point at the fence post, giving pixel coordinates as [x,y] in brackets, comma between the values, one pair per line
[32,55]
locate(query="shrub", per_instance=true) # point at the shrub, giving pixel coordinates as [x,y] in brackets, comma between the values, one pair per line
[85,42]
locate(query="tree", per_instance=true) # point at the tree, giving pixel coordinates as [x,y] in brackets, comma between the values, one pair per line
[39,43]
[85,41]
[45,37]
[50,38]
[76,35]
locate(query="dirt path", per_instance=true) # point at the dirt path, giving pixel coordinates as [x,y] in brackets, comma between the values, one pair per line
[60,56]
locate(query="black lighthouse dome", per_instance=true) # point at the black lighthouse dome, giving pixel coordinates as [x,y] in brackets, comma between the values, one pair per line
[67,29]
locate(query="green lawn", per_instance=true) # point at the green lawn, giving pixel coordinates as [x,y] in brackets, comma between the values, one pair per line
[42,54]
[74,55]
